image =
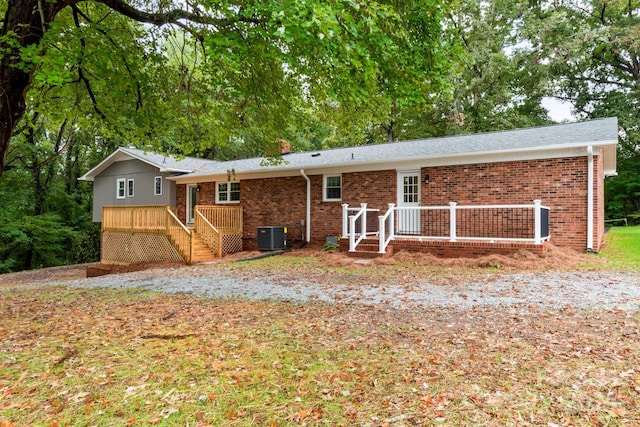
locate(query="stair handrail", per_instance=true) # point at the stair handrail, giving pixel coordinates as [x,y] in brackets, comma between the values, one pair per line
[353,243]
[180,236]
[208,232]
[386,233]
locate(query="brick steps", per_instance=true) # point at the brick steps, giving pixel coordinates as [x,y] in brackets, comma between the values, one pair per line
[368,248]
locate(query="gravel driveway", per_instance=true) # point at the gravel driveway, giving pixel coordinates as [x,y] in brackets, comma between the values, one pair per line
[597,289]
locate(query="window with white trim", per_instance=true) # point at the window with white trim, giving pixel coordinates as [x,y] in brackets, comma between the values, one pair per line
[332,188]
[120,188]
[157,186]
[228,192]
[130,188]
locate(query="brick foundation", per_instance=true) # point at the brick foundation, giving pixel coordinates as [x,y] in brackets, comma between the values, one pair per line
[445,249]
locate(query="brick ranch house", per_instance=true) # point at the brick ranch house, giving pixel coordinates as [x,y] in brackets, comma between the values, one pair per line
[464,195]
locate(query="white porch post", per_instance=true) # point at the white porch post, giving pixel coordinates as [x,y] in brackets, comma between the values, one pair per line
[363,220]
[392,220]
[352,234]
[537,218]
[382,234]
[382,237]
[452,221]
[345,220]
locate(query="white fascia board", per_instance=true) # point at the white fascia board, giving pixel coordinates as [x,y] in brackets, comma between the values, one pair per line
[172,170]
[610,160]
[497,156]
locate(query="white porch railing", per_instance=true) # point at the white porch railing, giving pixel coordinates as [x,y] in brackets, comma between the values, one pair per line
[518,223]
[355,226]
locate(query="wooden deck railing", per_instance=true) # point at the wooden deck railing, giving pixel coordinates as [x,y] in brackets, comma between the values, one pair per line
[135,218]
[212,223]
[227,219]
[180,236]
[209,234]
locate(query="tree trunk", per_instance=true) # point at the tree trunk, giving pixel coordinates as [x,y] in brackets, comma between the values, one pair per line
[26,21]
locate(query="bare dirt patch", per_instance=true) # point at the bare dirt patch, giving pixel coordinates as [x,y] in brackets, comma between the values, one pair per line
[71,272]
[555,258]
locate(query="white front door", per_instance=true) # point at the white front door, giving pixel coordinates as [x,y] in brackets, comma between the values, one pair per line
[192,201]
[408,196]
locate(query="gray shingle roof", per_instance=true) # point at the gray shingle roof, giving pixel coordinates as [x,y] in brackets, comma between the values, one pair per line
[599,132]
[167,162]
[163,162]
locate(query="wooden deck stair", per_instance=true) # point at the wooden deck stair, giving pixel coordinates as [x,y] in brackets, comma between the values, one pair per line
[201,252]
[368,248]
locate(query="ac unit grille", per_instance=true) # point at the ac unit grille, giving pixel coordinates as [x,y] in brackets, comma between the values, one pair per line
[272,238]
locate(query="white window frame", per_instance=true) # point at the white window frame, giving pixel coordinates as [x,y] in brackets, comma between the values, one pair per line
[155,186]
[130,188]
[227,192]
[121,188]
[325,178]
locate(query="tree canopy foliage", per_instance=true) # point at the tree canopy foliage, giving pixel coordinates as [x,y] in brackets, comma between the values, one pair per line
[592,52]
[250,62]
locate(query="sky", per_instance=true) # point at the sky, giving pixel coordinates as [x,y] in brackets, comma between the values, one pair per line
[558,111]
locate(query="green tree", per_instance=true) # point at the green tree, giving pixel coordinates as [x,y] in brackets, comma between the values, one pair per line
[259,56]
[500,85]
[593,52]
[622,195]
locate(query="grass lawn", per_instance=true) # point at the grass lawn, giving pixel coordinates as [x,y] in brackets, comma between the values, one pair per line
[622,249]
[114,357]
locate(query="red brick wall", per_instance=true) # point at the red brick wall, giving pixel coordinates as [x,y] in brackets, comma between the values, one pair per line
[206,196]
[282,201]
[376,189]
[181,202]
[273,201]
[561,184]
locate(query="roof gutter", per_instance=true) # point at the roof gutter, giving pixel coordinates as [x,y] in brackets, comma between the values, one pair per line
[590,199]
[308,220]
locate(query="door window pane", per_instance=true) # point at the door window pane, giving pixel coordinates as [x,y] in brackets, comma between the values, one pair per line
[410,190]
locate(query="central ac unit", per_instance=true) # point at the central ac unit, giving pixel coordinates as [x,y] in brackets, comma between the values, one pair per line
[272,238]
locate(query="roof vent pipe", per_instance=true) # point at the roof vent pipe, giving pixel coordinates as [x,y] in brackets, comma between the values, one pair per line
[308,220]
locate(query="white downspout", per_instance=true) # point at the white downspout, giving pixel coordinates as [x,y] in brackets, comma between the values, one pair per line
[590,199]
[308,220]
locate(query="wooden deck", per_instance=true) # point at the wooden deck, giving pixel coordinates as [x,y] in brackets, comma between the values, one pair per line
[134,234]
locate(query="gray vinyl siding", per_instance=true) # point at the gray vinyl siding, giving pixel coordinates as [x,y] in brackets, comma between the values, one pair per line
[143,174]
